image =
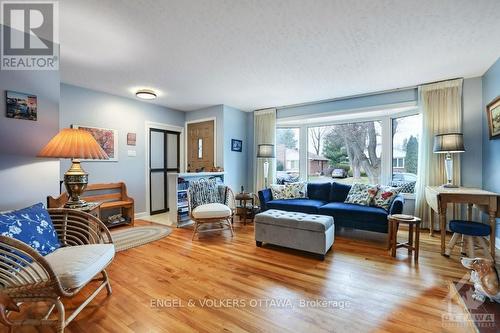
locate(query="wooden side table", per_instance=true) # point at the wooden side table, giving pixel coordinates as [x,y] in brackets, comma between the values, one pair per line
[245,207]
[413,225]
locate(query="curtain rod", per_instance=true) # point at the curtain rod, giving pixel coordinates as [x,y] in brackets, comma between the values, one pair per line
[355,96]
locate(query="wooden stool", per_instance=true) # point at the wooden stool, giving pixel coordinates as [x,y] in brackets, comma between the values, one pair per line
[411,221]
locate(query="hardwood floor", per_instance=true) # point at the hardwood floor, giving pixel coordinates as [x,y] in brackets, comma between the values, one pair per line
[219,284]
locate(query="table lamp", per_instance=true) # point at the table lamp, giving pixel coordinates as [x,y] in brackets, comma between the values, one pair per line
[266,151]
[447,144]
[75,144]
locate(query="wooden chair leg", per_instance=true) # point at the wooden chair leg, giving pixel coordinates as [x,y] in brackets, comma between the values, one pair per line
[195,230]
[231,228]
[451,245]
[470,246]
[463,250]
[61,313]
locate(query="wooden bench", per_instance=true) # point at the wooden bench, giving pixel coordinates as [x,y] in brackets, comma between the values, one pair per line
[112,196]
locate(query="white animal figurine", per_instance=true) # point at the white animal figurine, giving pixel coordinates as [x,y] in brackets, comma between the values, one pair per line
[485,278]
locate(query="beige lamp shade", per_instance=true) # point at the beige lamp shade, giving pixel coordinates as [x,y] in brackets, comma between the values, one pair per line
[265,150]
[449,143]
[73,143]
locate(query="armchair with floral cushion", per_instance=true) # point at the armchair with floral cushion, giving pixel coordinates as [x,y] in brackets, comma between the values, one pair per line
[46,255]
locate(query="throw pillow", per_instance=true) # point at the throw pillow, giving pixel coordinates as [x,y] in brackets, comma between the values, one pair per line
[406,187]
[278,191]
[31,225]
[294,190]
[361,194]
[385,196]
[203,192]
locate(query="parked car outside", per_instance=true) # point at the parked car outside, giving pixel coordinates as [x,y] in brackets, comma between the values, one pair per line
[339,173]
[404,177]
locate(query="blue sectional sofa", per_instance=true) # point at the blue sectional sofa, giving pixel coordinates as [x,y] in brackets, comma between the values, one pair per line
[328,199]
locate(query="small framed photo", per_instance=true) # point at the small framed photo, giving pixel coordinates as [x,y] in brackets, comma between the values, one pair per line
[493,115]
[131,139]
[236,145]
[21,105]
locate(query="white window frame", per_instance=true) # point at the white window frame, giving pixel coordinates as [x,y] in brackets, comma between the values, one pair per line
[385,123]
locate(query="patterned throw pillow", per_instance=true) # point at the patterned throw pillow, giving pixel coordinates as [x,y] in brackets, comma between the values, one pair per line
[31,225]
[385,196]
[203,192]
[406,187]
[361,194]
[294,190]
[278,191]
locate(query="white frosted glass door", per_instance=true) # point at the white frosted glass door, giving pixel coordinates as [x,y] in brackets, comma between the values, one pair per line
[163,158]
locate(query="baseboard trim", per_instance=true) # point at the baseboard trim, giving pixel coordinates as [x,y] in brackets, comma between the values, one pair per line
[141,215]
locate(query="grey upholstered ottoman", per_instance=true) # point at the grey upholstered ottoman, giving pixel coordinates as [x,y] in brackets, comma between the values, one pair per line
[306,232]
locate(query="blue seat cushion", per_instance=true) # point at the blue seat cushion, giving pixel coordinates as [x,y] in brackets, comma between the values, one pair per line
[469,228]
[319,191]
[31,225]
[339,192]
[352,212]
[307,206]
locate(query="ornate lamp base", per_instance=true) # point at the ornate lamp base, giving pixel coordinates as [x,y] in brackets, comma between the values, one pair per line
[75,181]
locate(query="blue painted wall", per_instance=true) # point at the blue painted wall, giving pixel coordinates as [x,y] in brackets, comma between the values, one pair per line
[491,148]
[235,163]
[24,178]
[82,106]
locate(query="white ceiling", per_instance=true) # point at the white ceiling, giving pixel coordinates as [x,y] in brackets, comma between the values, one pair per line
[256,54]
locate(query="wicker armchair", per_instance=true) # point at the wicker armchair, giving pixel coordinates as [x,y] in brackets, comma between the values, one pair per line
[216,212]
[26,276]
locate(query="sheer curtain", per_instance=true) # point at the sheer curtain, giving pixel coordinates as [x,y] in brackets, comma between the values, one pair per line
[264,132]
[441,105]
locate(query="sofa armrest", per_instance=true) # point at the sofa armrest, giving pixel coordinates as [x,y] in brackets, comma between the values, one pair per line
[265,196]
[397,205]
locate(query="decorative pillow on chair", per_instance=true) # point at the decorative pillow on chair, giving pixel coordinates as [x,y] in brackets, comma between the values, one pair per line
[361,194]
[203,192]
[385,196]
[31,225]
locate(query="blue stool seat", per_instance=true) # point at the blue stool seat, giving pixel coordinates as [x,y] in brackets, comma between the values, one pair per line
[469,228]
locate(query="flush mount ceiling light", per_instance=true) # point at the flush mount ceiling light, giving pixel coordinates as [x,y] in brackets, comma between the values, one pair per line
[145,94]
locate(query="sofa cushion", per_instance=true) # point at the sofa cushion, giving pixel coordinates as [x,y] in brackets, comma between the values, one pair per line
[211,210]
[294,220]
[77,265]
[339,192]
[343,211]
[319,191]
[31,225]
[297,205]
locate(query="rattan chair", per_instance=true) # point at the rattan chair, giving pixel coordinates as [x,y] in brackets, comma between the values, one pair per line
[26,276]
[223,214]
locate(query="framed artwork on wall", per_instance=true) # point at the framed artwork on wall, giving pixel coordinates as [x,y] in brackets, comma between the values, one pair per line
[493,115]
[131,139]
[107,139]
[21,105]
[236,145]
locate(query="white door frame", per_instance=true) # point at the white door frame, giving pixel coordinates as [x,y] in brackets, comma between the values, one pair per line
[186,137]
[148,125]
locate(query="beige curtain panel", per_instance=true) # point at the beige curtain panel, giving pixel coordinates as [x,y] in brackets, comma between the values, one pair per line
[264,132]
[441,105]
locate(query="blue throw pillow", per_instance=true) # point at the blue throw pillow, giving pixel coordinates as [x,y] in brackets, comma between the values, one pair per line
[339,192]
[319,191]
[31,225]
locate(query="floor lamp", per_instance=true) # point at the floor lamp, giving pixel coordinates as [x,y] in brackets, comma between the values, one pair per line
[266,151]
[447,144]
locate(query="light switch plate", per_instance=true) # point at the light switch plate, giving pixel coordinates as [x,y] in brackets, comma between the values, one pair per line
[132,153]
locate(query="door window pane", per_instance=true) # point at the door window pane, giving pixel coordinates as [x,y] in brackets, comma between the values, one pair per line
[346,153]
[287,155]
[405,141]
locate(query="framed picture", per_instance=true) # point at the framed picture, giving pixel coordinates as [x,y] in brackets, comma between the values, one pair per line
[493,115]
[107,139]
[21,105]
[236,145]
[131,139]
